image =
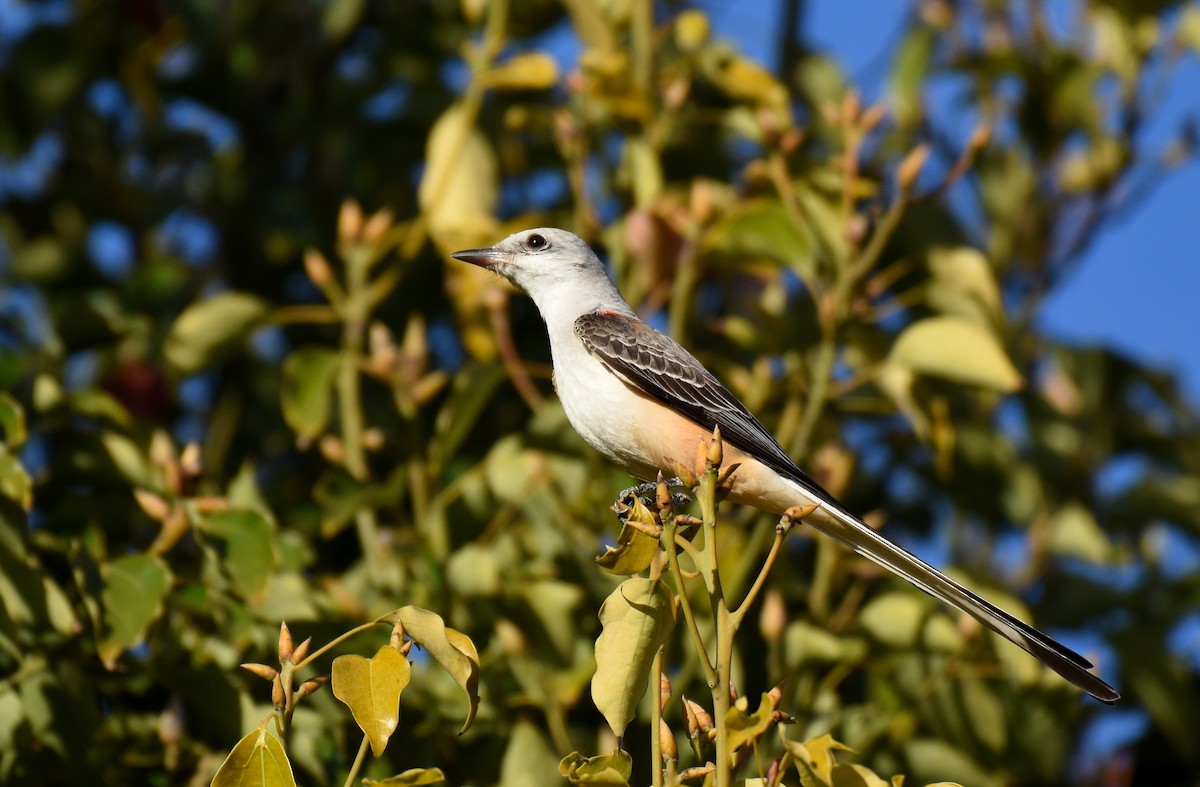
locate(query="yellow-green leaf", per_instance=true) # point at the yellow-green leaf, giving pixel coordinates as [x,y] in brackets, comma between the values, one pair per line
[526,71]
[894,618]
[985,713]
[744,728]
[529,760]
[460,184]
[636,618]
[12,420]
[963,284]
[249,557]
[209,330]
[645,172]
[257,760]
[306,391]
[605,770]
[856,776]
[908,74]
[1075,532]
[371,689]
[814,758]
[955,349]
[134,587]
[452,649]
[15,483]
[635,548]
[414,777]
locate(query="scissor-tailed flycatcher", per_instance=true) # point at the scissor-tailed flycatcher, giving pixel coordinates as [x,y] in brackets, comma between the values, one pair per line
[639,398]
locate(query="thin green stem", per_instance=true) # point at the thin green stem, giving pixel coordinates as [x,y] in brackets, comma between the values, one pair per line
[358,761]
[656,768]
[740,613]
[338,640]
[689,615]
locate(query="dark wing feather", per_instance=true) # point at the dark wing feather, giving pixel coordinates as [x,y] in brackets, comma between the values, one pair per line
[659,367]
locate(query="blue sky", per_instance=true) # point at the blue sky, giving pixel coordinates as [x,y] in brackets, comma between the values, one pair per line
[1136,288]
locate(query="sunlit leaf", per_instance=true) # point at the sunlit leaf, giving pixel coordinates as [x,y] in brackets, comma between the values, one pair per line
[209,330]
[257,760]
[410,778]
[604,770]
[12,420]
[957,350]
[451,649]
[371,689]
[1075,532]
[636,618]
[635,547]
[744,728]
[460,184]
[15,483]
[525,71]
[963,284]
[894,618]
[814,758]
[134,589]
[306,390]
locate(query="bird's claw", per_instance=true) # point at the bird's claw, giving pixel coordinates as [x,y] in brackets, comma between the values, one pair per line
[647,493]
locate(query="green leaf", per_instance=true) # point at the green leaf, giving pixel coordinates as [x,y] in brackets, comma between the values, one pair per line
[761,229]
[964,285]
[341,17]
[984,713]
[134,589]
[306,390]
[12,420]
[452,649]
[208,331]
[249,557]
[414,777]
[894,618]
[371,689]
[908,74]
[955,349]
[474,570]
[636,618]
[529,760]
[1074,532]
[257,760]
[605,770]
[15,483]
[645,172]
[931,758]
[469,394]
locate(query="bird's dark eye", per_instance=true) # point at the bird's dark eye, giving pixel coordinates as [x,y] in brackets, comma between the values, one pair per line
[535,242]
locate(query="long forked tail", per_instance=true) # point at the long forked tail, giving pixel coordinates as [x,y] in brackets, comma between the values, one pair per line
[851,531]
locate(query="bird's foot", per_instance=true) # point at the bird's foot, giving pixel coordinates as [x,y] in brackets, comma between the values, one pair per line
[647,493]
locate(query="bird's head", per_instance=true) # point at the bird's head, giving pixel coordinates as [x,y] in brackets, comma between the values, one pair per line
[545,262]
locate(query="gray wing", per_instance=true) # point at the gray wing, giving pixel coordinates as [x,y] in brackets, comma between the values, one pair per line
[660,367]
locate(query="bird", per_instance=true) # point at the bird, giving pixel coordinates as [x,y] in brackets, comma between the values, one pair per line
[643,401]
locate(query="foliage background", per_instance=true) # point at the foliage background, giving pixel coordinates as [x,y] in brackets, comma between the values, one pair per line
[165,167]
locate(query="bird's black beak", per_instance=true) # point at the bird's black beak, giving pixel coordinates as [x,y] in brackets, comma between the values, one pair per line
[484,258]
